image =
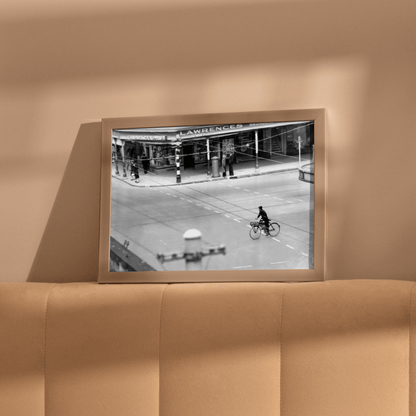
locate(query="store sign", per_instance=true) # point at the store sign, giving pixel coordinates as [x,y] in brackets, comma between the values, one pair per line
[259,124]
[147,137]
[141,137]
[208,130]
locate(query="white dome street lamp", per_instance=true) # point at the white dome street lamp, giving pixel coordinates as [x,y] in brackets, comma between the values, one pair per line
[193,252]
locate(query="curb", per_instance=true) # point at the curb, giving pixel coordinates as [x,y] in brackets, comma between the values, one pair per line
[244,175]
[125,258]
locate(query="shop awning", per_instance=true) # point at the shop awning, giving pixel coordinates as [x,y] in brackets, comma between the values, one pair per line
[172,135]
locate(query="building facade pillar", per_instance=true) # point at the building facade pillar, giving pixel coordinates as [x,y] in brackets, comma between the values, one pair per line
[284,141]
[208,159]
[256,143]
[123,158]
[115,158]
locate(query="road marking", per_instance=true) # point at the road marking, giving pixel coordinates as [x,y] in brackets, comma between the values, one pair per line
[199,205]
[249,226]
[280,199]
[235,219]
[237,187]
[242,267]
[227,215]
[230,186]
[257,193]
[174,196]
[163,242]
[168,193]
[217,212]
[287,245]
[299,200]
[183,198]
[247,190]
[275,239]
[279,262]
[207,208]
[305,254]
[266,195]
[189,201]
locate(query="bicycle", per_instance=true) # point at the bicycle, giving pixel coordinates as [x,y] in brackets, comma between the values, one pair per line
[257,227]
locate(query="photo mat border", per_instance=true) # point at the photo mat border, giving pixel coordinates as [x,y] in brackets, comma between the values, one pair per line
[320,199]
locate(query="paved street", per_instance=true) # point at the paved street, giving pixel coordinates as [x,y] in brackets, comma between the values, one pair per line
[154,220]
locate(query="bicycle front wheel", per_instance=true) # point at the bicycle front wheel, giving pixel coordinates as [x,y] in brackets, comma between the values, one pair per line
[255,233]
[274,229]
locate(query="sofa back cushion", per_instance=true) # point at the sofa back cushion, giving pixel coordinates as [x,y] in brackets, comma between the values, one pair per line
[327,348]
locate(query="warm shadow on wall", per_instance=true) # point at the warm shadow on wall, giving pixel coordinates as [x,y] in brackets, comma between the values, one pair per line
[68,250]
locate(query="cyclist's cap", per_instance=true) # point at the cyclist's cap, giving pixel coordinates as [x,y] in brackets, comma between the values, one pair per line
[260,207]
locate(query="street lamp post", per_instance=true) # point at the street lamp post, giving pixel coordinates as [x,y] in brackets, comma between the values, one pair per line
[208,160]
[193,252]
[178,162]
[193,249]
[299,142]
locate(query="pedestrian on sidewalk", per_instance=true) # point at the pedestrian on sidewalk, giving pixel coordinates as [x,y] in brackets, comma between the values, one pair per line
[146,164]
[229,163]
[135,170]
[224,165]
[134,164]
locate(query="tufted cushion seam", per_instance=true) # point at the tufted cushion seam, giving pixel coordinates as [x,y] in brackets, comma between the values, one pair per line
[44,356]
[160,338]
[280,350]
[410,344]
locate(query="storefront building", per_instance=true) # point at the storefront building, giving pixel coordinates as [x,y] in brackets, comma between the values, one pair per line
[186,147]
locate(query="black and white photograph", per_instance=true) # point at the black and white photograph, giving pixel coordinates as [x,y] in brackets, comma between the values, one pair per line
[216,197]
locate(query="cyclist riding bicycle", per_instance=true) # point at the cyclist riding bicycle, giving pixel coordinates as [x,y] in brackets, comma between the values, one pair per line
[264,217]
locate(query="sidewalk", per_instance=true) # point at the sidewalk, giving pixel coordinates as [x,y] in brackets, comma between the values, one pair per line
[279,163]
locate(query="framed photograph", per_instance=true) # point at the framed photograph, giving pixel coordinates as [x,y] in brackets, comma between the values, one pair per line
[213,198]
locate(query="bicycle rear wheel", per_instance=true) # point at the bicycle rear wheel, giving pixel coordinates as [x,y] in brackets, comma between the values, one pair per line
[274,229]
[255,233]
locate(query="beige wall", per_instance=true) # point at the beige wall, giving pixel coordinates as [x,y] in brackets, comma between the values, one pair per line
[64,64]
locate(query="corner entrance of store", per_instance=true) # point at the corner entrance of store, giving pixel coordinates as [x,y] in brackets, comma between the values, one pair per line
[188,156]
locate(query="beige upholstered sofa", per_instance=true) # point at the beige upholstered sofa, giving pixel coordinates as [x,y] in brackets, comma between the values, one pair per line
[259,349]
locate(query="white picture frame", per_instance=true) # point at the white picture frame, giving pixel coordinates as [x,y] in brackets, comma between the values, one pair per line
[225,129]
